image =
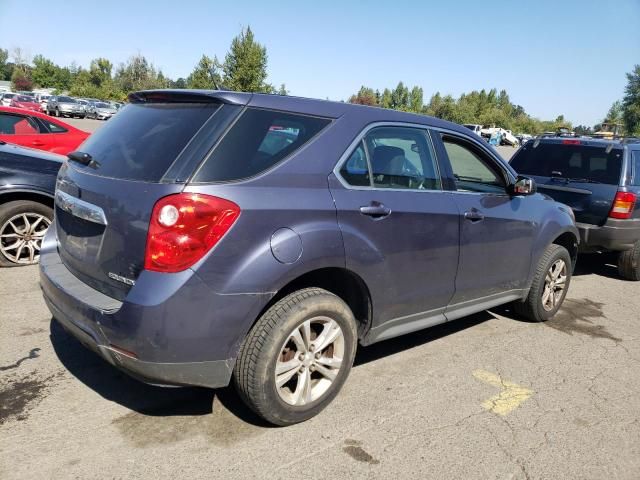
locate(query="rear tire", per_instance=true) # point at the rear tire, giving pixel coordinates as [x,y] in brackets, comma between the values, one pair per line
[16,212]
[549,287]
[283,340]
[629,263]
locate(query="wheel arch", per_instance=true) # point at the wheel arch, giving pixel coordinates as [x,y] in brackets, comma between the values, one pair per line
[569,241]
[27,194]
[340,281]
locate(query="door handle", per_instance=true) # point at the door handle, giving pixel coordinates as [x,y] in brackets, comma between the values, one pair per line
[473,215]
[37,143]
[375,210]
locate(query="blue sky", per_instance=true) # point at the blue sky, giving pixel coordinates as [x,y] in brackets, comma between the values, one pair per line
[553,57]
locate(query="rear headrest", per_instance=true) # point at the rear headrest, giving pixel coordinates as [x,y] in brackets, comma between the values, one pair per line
[382,161]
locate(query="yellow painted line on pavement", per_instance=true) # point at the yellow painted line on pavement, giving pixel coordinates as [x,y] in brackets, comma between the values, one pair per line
[510,397]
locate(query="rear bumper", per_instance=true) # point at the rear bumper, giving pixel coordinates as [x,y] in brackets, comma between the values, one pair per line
[168,331]
[616,235]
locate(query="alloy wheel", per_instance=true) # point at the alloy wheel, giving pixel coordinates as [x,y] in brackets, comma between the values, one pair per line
[554,284]
[21,237]
[309,361]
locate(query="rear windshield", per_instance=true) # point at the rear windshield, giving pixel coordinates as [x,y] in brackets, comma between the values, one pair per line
[142,141]
[257,141]
[575,162]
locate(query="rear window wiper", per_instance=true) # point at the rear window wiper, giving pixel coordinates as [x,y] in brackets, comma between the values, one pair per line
[82,158]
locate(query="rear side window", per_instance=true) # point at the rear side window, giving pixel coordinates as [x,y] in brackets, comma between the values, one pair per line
[143,140]
[17,125]
[636,168]
[256,142]
[572,161]
[53,127]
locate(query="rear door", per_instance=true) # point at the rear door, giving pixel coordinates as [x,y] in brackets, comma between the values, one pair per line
[103,208]
[582,174]
[400,229]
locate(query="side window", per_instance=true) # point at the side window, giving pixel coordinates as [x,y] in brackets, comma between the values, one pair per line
[473,171]
[17,125]
[258,140]
[53,127]
[355,170]
[402,158]
[636,168]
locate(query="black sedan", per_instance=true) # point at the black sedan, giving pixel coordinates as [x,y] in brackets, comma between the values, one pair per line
[27,186]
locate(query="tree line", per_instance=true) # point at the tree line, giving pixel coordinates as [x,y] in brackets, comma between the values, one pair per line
[477,107]
[244,68]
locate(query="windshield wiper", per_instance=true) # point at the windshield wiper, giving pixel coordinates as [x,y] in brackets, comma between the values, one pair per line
[467,179]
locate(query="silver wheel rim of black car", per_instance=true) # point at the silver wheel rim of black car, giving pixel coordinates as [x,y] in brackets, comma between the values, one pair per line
[21,237]
[309,361]
[554,284]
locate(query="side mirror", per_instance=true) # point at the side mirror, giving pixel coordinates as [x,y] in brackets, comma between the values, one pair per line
[524,186]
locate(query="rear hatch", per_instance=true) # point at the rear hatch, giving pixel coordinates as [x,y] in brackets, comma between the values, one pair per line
[144,153]
[580,173]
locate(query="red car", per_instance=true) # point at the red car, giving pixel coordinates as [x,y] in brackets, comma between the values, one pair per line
[36,130]
[26,102]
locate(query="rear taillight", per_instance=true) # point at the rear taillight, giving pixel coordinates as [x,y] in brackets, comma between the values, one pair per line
[184,227]
[623,205]
[571,142]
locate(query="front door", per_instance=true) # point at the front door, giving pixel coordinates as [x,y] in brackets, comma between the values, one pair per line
[496,228]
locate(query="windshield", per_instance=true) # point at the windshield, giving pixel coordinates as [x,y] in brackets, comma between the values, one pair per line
[66,100]
[23,98]
[102,105]
[571,161]
[9,95]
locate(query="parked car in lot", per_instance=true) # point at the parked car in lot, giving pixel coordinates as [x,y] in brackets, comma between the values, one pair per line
[5,99]
[36,130]
[27,184]
[101,111]
[63,106]
[26,102]
[44,99]
[600,180]
[474,128]
[204,237]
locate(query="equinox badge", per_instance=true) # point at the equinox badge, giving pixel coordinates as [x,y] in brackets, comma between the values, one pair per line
[122,279]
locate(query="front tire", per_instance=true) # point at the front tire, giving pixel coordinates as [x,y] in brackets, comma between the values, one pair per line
[549,287]
[23,224]
[297,356]
[629,263]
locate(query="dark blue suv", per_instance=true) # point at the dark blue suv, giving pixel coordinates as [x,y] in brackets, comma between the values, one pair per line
[204,237]
[600,180]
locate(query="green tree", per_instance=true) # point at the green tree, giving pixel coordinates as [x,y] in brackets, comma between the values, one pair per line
[614,114]
[100,71]
[283,90]
[43,72]
[385,100]
[4,56]
[179,83]
[631,102]
[137,74]
[400,97]
[365,96]
[416,100]
[245,66]
[206,74]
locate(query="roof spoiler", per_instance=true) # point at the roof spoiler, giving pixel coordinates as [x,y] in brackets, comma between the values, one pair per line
[189,96]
